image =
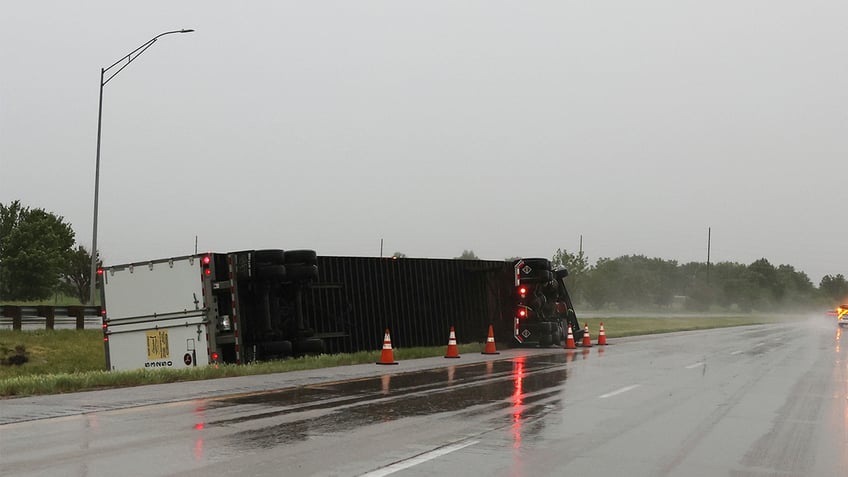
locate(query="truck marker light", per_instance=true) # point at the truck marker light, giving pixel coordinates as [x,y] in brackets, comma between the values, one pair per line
[206,259]
[207,271]
[214,356]
[522,291]
[522,313]
[100,271]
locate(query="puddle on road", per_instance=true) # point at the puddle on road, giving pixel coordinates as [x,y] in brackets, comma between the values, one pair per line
[477,389]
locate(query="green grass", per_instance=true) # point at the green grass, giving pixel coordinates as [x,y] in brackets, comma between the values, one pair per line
[53,352]
[68,360]
[618,327]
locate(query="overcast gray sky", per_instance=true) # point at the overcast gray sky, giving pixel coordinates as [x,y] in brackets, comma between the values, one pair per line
[510,128]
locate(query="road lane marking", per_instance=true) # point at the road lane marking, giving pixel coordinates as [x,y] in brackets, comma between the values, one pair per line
[619,391]
[699,363]
[419,459]
[761,343]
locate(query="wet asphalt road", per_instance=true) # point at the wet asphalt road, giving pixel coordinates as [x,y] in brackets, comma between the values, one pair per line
[752,401]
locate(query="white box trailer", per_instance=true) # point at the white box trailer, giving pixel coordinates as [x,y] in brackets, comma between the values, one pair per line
[157,315]
[207,308]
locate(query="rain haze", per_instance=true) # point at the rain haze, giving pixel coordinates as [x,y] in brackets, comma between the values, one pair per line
[506,128]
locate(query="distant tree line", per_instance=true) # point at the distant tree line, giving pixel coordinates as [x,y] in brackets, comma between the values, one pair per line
[639,282]
[39,259]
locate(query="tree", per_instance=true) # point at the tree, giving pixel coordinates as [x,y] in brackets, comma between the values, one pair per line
[34,248]
[398,255]
[76,276]
[764,275]
[577,266]
[834,288]
[467,255]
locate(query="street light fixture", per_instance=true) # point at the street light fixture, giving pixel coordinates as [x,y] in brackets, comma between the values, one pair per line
[124,62]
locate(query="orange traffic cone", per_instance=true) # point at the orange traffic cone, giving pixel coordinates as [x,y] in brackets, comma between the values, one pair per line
[490,343]
[388,357]
[453,351]
[587,342]
[602,337]
[569,341]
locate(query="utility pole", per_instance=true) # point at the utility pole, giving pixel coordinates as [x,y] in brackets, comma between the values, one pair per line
[709,236]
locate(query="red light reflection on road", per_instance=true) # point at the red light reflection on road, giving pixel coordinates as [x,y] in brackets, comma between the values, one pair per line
[200,414]
[517,400]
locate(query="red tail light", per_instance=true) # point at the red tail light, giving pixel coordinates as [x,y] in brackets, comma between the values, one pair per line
[205,263]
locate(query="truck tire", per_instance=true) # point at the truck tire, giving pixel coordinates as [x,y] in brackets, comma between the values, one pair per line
[556,336]
[270,271]
[271,256]
[274,349]
[310,346]
[307,257]
[302,273]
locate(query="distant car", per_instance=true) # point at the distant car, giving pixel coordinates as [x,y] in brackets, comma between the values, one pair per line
[842,315]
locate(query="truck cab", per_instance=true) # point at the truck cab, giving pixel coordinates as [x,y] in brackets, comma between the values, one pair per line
[543,308]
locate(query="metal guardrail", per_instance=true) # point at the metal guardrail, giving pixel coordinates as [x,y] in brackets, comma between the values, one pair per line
[49,317]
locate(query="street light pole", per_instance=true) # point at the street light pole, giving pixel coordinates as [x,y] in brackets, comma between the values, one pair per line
[126,60]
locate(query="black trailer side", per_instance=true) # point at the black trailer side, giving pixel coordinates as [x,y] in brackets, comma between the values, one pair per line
[356,298]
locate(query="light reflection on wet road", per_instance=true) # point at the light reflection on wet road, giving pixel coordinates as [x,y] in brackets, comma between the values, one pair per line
[474,390]
[743,402]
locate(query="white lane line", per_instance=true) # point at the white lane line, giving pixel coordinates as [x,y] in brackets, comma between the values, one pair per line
[699,363]
[419,459]
[619,391]
[752,346]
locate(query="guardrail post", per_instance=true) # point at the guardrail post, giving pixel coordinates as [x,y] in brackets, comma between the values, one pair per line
[48,312]
[13,312]
[79,313]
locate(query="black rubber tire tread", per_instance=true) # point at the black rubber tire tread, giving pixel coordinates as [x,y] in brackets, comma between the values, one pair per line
[301,272]
[270,271]
[275,348]
[311,346]
[556,336]
[277,257]
[308,257]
